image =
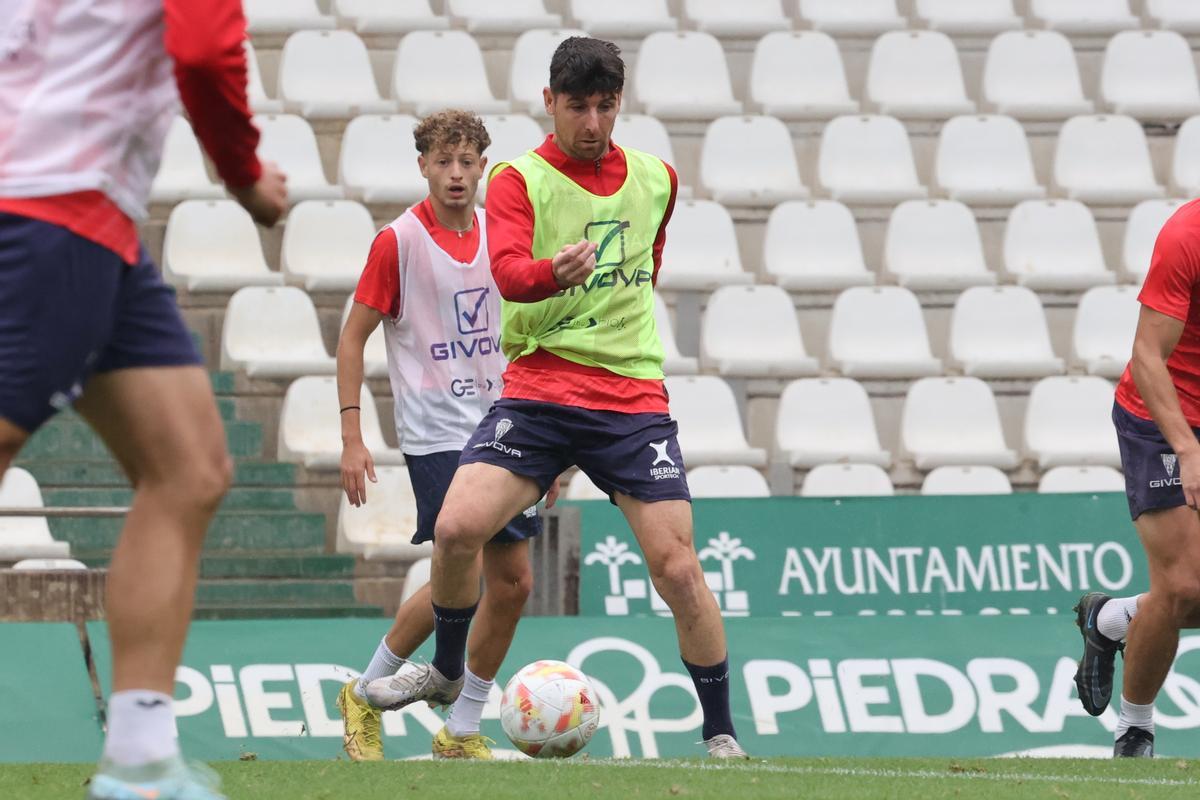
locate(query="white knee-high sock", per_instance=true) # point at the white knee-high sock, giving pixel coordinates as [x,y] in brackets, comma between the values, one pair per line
[141,728]
[468,708]
[1134,716]
[383,663]
[1114,618]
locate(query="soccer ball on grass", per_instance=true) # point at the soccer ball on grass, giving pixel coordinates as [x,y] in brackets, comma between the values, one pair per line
[549,710]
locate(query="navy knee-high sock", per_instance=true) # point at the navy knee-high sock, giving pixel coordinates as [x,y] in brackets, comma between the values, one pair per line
[712,687]
[450,629]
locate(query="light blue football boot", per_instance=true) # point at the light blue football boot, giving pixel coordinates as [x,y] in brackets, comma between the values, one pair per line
[172,779]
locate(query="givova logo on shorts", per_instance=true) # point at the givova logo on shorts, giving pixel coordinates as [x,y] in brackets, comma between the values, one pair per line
[1169,462]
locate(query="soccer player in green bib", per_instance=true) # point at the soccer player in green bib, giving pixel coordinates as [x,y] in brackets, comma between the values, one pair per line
[576,230]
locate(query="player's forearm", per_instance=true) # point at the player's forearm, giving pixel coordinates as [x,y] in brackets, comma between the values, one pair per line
[1157,389]
[524,279]
[349,386]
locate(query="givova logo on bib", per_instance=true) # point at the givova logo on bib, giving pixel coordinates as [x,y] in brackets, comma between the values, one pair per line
[609,236]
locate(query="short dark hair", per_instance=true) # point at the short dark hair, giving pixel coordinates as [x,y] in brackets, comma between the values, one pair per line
[583,66]
[450,128]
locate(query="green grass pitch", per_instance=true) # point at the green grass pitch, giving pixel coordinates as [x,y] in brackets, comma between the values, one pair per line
[580,779]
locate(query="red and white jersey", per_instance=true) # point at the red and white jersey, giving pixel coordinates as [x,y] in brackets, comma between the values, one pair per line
[443,339]
[87,93]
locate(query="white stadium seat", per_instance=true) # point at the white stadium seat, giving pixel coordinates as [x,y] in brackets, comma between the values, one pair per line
[1185,165]
[529,73]
[935,244]
[985,159]
[311,434]
[969,17]
[213,246]
[744,18]
[1061,480]
[852,17]
[509,17]
[750,161]
[512,136]
[43,564]
[879,332]
[968,480]
[1068,421]
[25,537]
[389,16]
[1054,245]
[673,362]
[1150,75]
[327,75]
[1104,159]
[1033,75]
[255,91]
[683,76]
[868,159]
[1086,17]
[916,74]
[383,526]
[702,251]
[847,480]
[461,83]
[953,422]
[720,481]
[378,162]
[752,331]
[1176,15]
[325,244]
[181,173]
[1001,332]
[415,578]
[285,16]
[622,19]
[580,487]
[289,141]
[1141,231]
[645,133]
[1105,321]
[375,357]
[814,245]
[273,332]
[826,420]
[800,75]
[710,427]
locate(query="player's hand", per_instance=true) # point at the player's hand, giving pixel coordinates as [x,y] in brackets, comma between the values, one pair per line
[552,493]
[1189,476]
[573,265]
[266,199]
[356,460]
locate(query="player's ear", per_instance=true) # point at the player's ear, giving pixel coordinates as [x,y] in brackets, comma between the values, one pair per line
[483,164]
[423,165]
[548,99]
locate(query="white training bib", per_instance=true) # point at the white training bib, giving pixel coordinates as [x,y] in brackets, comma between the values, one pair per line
[444,356]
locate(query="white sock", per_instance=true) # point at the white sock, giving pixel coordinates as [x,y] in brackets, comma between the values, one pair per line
[468,708]
[1115,616]
[141,728]
[383,663]
[1134,716]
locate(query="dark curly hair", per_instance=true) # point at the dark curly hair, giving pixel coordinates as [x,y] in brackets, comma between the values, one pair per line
[583,66]
[450,128]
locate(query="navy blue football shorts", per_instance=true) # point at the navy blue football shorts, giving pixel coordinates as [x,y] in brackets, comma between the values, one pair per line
[69,309]
[431,475]
[633,454]
[1151,468]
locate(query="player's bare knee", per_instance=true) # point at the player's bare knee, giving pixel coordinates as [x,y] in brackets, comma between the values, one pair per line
[202,483]
[455,537]
[515,588]
[677,576]
[1183,598]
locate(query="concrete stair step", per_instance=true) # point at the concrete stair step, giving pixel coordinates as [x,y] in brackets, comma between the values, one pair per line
[74,473]
[236,531]
[251,592]
[68,437]
[238,498]
[285,611]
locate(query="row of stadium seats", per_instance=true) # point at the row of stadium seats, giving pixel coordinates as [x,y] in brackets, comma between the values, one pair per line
[213,246]
[634,18]
[752,332]
[914,75]
[745,161]
[946,422]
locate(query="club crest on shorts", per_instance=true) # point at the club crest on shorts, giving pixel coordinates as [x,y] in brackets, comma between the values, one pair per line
[1169,460]
[502,427]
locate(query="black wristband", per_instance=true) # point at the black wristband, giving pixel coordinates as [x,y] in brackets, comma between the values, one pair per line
[347,408]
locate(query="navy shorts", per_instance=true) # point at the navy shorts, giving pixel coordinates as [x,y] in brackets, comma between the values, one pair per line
[70,308]
[1151,468]
[633,454]
[431,475]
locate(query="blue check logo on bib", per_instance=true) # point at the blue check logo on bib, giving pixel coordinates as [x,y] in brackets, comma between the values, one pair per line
[471,311]
[609,236]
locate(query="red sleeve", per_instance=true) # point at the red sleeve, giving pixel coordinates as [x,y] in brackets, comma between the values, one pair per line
[205,40]
[379,284]
[661,240]
[1174,273]
[519,277]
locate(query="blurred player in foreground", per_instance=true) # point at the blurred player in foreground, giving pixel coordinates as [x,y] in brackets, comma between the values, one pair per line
[428,279]
[576,231]
[86,98]
[1157,417]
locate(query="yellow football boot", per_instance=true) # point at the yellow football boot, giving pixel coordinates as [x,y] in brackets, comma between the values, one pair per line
[361,726]
[473,746]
